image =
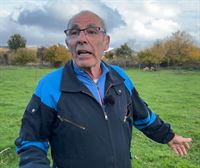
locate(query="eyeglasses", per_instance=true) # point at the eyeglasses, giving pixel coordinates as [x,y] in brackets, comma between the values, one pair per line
[89,31]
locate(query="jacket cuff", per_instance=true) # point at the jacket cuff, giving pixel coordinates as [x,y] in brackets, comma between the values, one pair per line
[169,137]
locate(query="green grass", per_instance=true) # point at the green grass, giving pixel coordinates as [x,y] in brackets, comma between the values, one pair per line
[174,95]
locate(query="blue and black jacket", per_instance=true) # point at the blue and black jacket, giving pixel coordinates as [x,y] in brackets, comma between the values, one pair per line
[81,131]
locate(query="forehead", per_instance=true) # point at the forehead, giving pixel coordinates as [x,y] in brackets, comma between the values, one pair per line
[85,20]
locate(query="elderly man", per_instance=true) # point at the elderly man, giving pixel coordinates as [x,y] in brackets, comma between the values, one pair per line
[86,110]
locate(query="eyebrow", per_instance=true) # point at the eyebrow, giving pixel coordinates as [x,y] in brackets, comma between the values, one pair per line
[92,25]
[75,26]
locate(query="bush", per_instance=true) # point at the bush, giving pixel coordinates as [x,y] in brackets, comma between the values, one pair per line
[57,55]
[4,58]
[23,56]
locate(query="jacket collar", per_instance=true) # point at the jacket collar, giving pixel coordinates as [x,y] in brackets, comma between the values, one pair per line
[113,78]
[70,82]
[84,75]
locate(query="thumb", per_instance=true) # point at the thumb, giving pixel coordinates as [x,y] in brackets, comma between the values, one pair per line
[186,139]
[179,139]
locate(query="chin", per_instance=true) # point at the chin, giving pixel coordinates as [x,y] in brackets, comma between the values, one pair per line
[86,66]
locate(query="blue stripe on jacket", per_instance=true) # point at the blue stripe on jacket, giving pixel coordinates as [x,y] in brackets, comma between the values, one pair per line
[140,124]
[48,88]
[41,145]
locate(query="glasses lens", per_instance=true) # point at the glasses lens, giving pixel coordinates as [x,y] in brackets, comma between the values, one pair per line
[92,31]
[73,32]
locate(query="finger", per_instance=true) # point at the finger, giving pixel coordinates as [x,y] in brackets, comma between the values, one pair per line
[175,150]
[180,152]
[187,146]
[186,139]
[184,151]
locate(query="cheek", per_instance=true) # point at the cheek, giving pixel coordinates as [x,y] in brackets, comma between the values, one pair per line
[100,48]
[72,50]
[100,51]
[71,45]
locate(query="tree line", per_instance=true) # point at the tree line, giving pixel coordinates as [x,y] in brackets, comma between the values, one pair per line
[177,50]
[18,54]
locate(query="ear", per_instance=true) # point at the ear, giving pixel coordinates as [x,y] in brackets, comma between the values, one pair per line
[106,42]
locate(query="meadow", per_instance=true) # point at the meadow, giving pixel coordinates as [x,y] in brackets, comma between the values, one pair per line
[173,95]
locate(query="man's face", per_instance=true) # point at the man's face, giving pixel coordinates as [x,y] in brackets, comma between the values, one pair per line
[87,50]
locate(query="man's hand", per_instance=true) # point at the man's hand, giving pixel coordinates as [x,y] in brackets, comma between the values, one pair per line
[180,145]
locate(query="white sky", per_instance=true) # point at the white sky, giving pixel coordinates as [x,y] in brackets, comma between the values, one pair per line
[140,22]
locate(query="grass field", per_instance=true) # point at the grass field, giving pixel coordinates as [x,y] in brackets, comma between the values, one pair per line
[174,95]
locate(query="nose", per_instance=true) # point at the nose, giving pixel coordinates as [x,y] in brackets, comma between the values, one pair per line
[82,37]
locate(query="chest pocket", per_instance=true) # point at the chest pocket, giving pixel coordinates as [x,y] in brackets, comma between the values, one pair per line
[124,110]
[123,104]
[71,123]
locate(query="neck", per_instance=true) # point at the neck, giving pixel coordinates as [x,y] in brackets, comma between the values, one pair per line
[94,72]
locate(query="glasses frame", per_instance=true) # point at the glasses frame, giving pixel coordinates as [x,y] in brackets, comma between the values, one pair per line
[100,29]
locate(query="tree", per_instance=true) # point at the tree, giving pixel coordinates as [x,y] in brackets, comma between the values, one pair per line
[109,55]
[23,56]
[179,46]
[57,55]
[124,54]
[195,55]
[124,51]
[157,53]
[145,57]
[16,41]
[178,49]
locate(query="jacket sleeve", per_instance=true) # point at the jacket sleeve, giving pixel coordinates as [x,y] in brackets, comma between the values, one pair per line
[32,143]
[148,122]
[143,118]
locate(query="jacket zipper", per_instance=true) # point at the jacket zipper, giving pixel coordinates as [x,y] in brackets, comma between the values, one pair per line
[110,132]
[104,112]
[71,122]
[106,118]
[127,114]
[101,102]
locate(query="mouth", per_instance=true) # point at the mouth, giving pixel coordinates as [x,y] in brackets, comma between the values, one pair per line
[83,52]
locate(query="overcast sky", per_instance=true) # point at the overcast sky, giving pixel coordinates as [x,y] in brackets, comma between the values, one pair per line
[140,22]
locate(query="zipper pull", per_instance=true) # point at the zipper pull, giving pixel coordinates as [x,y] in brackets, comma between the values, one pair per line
[104,112]
[59,117]
[125,118]
[105,115]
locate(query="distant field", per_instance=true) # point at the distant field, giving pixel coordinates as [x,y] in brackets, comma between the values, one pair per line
[4,49]
[174,95]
